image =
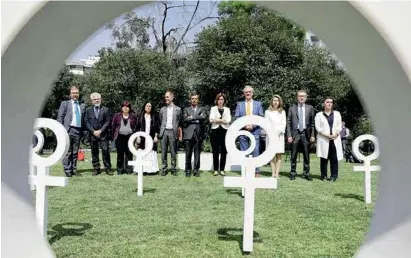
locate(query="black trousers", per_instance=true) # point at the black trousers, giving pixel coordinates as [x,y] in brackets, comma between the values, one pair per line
[300,138]
[191,145]
[70,160]
[217,139]
[332,157]
[123,154]
[103,144]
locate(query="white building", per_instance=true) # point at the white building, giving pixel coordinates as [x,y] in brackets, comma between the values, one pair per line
[83,66]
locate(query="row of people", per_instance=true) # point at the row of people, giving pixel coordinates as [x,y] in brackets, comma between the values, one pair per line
[300,126]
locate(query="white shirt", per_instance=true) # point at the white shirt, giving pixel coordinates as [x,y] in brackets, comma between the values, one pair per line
[303,115]
[148,123]
[251,106]
[73,109]
[169,121]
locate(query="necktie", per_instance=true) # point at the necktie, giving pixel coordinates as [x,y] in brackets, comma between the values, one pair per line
[248,108]
[96,112]
[300,118]
[77,110]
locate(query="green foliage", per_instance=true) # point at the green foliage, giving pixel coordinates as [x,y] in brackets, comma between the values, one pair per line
[136,76]
[60,91]
[363,126]
[254,46]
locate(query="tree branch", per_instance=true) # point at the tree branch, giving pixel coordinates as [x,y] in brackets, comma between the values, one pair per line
[188,27]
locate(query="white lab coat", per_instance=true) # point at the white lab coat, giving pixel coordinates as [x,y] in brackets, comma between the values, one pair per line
[322,127]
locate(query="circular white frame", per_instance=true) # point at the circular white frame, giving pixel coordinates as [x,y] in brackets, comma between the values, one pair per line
[148,144]
[356,147]
[371,62]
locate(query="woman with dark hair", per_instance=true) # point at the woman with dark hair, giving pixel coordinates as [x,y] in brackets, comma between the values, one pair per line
[123,126]
[328,124]
[220,119]
[148,122]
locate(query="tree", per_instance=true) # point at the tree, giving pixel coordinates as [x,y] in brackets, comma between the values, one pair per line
[60,91]
[251,45]
[135,76]
[135,31]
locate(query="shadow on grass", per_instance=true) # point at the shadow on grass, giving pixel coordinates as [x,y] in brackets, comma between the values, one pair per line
[350,196]
[68,229]
[146,190]
[236,234]
[235,191]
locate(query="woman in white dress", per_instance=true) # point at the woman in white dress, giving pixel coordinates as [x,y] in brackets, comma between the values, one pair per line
[148,122]
[276,116]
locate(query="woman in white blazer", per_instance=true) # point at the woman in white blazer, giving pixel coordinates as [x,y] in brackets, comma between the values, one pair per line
[276,116]
[220,118]
[328,124]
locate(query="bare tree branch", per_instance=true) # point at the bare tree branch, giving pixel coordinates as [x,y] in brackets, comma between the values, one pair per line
[188,27]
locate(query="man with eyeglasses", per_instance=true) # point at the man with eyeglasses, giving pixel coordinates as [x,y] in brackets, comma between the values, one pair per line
[300,131]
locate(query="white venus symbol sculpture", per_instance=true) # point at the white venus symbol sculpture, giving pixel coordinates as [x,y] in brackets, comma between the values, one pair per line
[35,149]
[42,180]
[367,168]
[138,163]
[248,181]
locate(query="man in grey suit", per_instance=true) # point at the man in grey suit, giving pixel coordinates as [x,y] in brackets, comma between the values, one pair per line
[193,133]
[170,117]
[300,129]
[71,116]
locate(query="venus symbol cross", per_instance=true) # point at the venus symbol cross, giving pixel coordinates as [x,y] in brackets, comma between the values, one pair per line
[248,181]
[42,180]
[138,163]
[366,168]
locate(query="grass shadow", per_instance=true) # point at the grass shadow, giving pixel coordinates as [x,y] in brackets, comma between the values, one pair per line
[236,234]
[82,171]
[147,190]
[68,229]
[350,196]
[235,191]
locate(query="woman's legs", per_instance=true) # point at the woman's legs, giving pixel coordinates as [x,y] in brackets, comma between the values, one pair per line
[273,163]
[277,165]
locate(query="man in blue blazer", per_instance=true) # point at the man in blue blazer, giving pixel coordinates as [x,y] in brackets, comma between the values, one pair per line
[71,116]
[250,107]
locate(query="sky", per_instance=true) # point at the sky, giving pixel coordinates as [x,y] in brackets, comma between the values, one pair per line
[177,17]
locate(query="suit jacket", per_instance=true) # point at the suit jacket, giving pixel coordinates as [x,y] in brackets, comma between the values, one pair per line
[101,123]
[194,122]
[116,123]
[176,120]
[292,121]
[215,114]
[240,111]
[65,114]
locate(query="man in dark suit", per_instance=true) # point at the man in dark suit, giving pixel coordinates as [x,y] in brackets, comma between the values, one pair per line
[98,123]
[170,119]
[193,134]
[300,129]
[71,116]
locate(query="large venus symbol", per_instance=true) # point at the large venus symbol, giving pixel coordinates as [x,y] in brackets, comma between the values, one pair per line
[138,163]
[42,180]
[367,168]
[248,181]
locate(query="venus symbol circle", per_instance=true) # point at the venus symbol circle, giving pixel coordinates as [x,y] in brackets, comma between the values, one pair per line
[40,141]
[62,142]
[356,147]
[148,144]
[236,129]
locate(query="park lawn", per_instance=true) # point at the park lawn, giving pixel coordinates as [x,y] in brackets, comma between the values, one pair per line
[101,216]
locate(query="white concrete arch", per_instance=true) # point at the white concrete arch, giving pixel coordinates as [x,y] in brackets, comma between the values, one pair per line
[35,54]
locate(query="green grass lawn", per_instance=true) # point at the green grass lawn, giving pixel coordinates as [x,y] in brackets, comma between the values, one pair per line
[101,216]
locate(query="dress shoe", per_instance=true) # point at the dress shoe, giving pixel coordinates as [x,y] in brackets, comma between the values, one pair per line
[164,173]
[324,178]
[96,171]
[174,173]
[68,174]
[332,180]
[215,173]
[109,172]
[222,173]
[74,173]
[188,173]
[292,177]
[308,177]
[196,174]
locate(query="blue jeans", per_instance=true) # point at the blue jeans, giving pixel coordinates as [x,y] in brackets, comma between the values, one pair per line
[244,144]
